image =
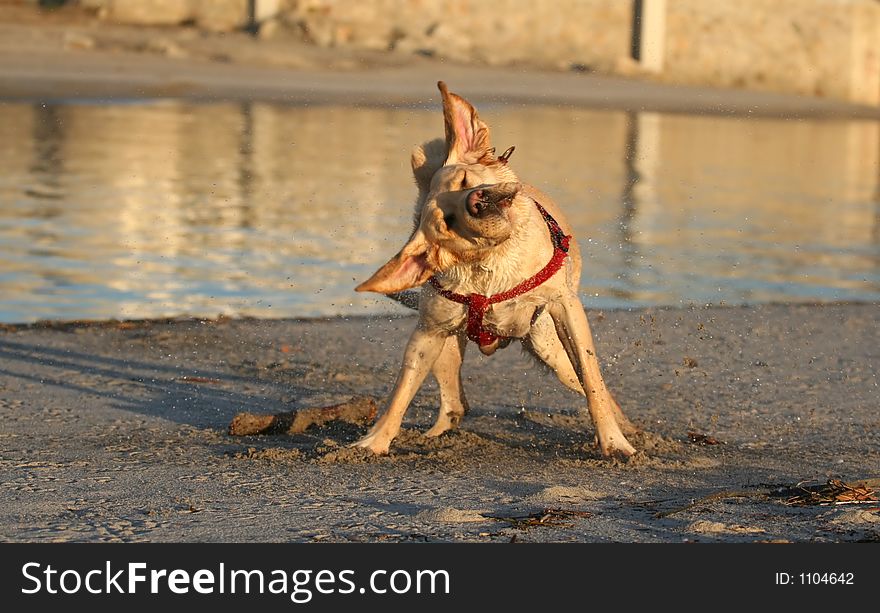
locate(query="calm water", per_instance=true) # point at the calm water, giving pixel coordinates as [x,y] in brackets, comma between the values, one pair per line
[169,208]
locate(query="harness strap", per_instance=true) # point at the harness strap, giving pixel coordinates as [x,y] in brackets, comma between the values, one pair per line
[478,304]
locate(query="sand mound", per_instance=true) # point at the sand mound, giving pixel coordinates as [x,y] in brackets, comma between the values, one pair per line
[714,527]
[564,494]
[857,517]
[270,454]
[450,515]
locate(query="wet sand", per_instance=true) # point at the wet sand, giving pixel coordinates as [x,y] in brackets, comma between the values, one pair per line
[118,432]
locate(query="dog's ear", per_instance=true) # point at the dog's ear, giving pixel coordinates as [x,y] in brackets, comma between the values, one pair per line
[426,160]
[407,269]
[467,136]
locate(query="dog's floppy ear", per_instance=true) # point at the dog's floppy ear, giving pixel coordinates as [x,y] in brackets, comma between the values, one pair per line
[426,160]
[467,136]
[407,269]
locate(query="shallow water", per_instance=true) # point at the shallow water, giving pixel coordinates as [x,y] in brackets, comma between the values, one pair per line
[149,209]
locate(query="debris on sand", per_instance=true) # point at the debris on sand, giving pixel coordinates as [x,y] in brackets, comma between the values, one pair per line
[833,491]
[545,517]
[724,495]
[360,410]
[702,439]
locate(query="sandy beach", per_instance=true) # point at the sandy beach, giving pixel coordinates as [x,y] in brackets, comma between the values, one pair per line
[117,432]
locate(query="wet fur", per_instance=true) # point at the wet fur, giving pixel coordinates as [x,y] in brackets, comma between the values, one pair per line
[475,247]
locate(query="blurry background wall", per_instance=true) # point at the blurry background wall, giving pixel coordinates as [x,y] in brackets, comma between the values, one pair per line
[825,48]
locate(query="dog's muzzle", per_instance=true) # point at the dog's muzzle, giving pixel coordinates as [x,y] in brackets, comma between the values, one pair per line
[492,200]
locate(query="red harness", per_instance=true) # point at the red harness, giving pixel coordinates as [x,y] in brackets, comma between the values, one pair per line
[478,304]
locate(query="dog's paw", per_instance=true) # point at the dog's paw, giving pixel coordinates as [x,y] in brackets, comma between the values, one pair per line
[438,429]
[375,442]
[446,421]
[615,448]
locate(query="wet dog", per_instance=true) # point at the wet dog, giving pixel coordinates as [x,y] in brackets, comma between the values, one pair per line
[495,262]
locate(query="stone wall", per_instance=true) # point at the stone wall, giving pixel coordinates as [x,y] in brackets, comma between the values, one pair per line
[817,47]
[213,15]
[559,34]
[813,47]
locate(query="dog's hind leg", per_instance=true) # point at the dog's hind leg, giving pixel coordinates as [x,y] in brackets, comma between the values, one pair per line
[573,331]
[622,420]
[543,343]
[447,371]
[421,352]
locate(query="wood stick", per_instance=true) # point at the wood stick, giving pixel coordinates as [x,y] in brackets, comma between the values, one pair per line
[360,410]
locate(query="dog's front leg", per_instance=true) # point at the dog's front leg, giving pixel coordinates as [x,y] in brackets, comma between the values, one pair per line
[574,332]
[421,352]
[447,371]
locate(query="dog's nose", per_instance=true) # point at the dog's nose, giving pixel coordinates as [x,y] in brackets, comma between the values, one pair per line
[476,203]
[479,203]
[491,199]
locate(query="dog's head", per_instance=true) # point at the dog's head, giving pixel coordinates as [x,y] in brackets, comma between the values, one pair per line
[465,204]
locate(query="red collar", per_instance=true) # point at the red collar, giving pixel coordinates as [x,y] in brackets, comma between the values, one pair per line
[478,304]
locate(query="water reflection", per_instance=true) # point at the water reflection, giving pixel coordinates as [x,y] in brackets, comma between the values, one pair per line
[148,209]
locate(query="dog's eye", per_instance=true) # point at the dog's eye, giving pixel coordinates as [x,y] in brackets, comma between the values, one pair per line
[449,220]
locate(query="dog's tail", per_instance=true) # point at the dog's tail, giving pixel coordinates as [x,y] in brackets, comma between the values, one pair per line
[408,298]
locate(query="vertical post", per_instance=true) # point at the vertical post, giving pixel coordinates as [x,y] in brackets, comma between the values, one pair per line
[635,50]
[648,42]
[252,26]
[259,11]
